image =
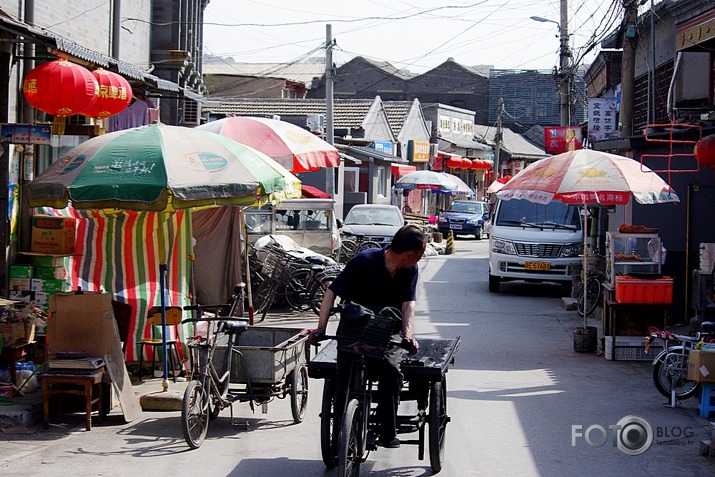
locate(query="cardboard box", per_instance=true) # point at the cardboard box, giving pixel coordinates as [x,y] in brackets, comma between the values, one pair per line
[50,273]
[81,323]
[14,334]
[53,234]
[20,283]
[701,366]
[640,290]
[21,271]
[49,286]
[42,261]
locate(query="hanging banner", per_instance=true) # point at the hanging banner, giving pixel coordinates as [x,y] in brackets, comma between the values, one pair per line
[558,139]
[602,122]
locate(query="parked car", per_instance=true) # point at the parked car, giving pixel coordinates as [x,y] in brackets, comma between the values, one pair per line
[376,222]
[464,217]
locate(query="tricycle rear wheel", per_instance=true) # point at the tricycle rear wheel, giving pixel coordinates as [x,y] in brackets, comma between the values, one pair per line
[350,456]
[195,414]
[437,421]
[329,426]
[299,393]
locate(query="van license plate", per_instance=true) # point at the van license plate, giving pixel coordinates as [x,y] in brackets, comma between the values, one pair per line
[455,226]
[538,266]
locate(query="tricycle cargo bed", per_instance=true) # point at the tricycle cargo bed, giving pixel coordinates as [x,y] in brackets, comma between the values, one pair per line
[269,354]
[431,361]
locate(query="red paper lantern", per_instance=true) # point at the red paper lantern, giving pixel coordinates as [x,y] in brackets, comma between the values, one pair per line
[487,165]
[454,162]
[705,151]
[60,88]
[113,96]
[466,163]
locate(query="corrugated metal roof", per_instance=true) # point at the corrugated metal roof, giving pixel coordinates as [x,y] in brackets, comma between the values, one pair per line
[370,152]
[515,144]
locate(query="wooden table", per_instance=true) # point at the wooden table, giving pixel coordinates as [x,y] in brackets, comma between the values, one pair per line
[61,382]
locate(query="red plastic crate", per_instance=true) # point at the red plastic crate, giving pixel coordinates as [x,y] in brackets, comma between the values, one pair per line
[640,290]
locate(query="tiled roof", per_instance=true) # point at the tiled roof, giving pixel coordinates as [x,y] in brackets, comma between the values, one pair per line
[347,113]
[514,143]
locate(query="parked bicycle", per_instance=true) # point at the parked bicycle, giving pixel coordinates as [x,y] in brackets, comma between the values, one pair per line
[270,363]
[352,244]
[590,293]
[670,367]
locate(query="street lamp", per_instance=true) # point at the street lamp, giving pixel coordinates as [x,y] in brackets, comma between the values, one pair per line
[565,71]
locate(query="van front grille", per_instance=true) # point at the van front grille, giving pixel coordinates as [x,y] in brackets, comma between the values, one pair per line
[539,250]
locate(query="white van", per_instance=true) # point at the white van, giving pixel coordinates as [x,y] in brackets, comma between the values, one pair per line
[534,242]
[311,223]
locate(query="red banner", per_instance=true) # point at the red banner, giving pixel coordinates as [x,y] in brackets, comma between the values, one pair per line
[558,139]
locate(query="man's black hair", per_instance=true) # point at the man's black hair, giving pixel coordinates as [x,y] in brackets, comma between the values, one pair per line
[408,238]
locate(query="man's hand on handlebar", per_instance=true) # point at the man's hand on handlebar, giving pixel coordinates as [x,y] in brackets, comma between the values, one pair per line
[411,345]
[316,336]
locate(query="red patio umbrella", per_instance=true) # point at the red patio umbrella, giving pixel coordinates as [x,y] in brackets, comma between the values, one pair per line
[291,146]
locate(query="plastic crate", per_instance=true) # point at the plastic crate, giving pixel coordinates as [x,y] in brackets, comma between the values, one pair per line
[632,348]
[639,290]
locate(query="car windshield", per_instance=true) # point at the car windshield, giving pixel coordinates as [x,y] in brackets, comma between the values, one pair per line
[373,216]
[466,207]
[522,213]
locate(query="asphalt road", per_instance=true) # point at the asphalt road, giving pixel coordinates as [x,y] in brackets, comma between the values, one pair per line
[519,398]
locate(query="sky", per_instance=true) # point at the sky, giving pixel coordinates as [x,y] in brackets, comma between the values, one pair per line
[414,35]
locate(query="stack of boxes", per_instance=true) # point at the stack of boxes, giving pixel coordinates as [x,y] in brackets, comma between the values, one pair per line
[53,239]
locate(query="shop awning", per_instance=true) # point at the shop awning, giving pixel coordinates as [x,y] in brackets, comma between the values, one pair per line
[401,169]
[311,192]
[375,154]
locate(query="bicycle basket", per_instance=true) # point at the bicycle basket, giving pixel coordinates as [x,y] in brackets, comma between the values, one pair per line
[366,334]
[275,267]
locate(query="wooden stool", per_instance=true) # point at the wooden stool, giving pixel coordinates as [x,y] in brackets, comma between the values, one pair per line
[58,383]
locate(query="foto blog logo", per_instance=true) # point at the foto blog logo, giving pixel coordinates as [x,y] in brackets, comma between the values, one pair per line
[632,435]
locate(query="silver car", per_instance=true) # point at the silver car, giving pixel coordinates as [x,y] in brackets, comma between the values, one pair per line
[375,222]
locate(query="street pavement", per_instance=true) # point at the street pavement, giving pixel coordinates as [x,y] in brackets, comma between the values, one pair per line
[520,401]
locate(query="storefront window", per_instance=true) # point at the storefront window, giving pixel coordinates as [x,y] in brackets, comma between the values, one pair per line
[351,177]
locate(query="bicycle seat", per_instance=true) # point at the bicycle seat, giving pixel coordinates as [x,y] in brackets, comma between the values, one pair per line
[707,326]
[232,327]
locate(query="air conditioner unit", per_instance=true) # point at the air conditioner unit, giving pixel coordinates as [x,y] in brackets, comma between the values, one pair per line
[192,112]
[277,117]
[315,123]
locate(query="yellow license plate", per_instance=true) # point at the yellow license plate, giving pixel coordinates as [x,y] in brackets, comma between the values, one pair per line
[537,266]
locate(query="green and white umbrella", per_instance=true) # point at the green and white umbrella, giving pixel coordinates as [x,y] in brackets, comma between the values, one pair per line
[161,168]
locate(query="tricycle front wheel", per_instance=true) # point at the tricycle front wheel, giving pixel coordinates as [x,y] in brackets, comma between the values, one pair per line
[437,421]
[299,393]
[195,414]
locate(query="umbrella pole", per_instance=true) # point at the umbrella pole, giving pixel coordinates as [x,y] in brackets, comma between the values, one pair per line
[162,286]
[247,266]
[585,264]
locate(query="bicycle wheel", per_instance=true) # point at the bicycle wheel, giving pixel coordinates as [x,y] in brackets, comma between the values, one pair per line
[318,293]
[264,297]
[195,414]
[349,457]
[348,248]
[437,420]
[296,294]
[367,245]
[299,393]
[673,366]
[329,431]
[592,292]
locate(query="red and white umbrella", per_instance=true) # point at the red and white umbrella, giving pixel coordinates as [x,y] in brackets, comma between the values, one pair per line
[497,185]
[586,177]
[291,146]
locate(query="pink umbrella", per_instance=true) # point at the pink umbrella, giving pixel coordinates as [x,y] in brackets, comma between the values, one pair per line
[291,146]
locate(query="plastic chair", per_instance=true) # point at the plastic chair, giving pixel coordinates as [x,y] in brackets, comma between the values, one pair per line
[173,318]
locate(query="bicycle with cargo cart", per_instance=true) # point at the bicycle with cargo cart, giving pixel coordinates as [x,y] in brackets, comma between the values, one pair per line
[347,440]
[233,362]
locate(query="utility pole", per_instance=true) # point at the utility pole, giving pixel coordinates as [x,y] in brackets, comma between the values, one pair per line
[330,133]
[498,139]
[565,76]
[628,66]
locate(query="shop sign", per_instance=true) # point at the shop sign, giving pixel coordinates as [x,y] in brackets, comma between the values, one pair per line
[417,151]
[25,134]
[601,118]
[558,139]
[382,146]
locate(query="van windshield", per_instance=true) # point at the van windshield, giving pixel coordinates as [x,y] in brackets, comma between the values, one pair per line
[522,213]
